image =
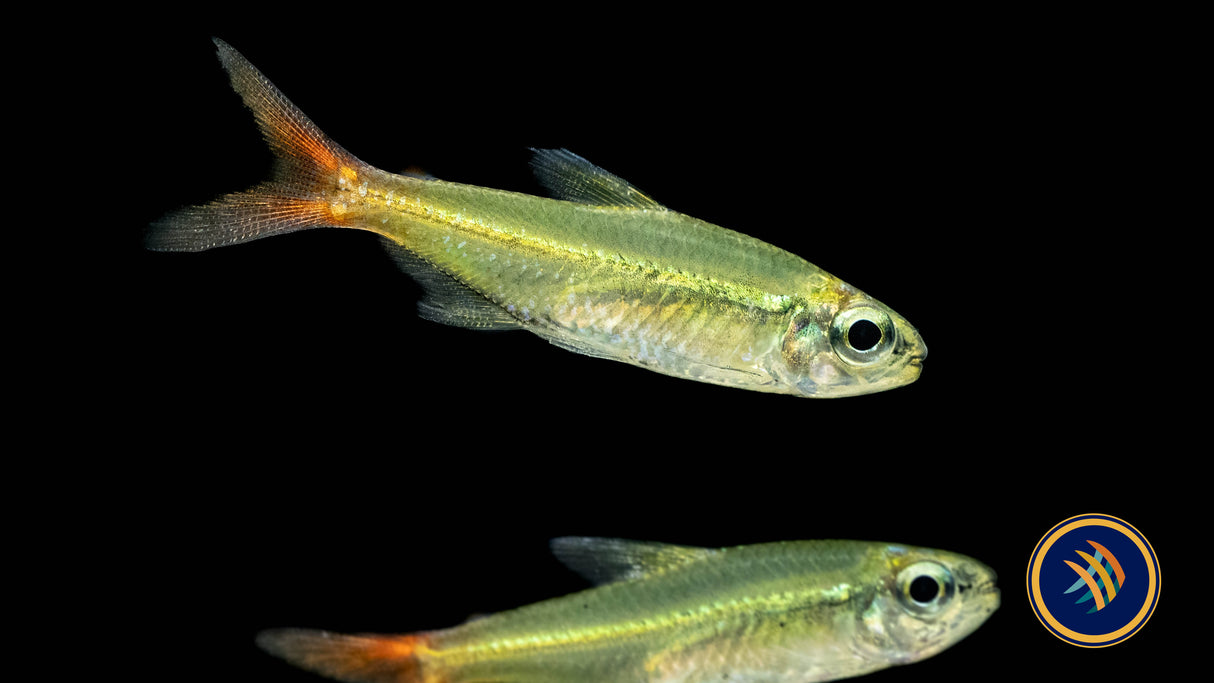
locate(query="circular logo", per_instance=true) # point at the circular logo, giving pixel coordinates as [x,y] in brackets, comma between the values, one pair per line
[1093,580]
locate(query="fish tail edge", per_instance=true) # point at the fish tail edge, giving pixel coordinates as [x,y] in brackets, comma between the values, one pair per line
[363,658]
[308,162]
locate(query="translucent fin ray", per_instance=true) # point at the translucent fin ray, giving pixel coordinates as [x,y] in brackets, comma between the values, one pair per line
[349,658]
[308,161]
[606,560]
[447,300]
[570,177]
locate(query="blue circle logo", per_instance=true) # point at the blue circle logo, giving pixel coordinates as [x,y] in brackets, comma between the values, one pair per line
[1093,580]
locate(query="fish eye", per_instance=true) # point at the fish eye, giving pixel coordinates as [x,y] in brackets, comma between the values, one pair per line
[924,588]
[862,335]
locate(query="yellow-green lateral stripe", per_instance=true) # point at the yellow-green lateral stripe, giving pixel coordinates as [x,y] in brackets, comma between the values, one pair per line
[674,622]
[491,225]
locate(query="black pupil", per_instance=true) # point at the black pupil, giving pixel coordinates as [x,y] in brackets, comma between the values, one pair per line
[863,335]
[924,589]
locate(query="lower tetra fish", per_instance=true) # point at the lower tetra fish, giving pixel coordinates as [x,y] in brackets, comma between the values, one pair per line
[791,612]
[602,270]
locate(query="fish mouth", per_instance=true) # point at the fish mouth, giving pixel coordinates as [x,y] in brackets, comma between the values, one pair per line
[915,352]
[979,582]
[914,363]
[989,592]
[985,592]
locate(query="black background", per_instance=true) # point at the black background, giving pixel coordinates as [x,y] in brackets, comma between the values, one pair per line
[322,458]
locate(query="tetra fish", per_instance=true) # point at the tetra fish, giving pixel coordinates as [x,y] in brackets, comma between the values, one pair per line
[602,269]
[788,612]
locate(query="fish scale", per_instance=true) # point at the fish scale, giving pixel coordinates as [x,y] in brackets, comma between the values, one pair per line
[700,610]
[573,290]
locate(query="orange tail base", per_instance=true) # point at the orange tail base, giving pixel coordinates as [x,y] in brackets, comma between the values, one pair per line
[309,164]
[349,658]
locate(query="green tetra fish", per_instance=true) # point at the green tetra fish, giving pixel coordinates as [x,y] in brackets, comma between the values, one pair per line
[791,612]
[604,270]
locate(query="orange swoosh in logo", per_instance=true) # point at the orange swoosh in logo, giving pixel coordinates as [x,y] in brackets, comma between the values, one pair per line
[1103,577]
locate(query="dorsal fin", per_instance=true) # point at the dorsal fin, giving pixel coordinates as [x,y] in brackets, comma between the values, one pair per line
[570,177]
[447,300]
[605,560]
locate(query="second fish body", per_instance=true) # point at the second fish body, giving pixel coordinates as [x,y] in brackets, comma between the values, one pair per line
[790,612]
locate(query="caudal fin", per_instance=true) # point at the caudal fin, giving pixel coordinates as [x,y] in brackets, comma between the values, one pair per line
[308,164]
[353,659]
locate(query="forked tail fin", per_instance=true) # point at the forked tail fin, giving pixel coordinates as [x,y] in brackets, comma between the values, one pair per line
[353,659]
[309,163]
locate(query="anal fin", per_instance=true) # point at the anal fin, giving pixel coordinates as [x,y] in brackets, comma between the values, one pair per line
[447,300]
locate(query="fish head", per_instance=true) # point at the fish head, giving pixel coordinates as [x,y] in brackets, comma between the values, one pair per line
[925,602]
[842,342]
